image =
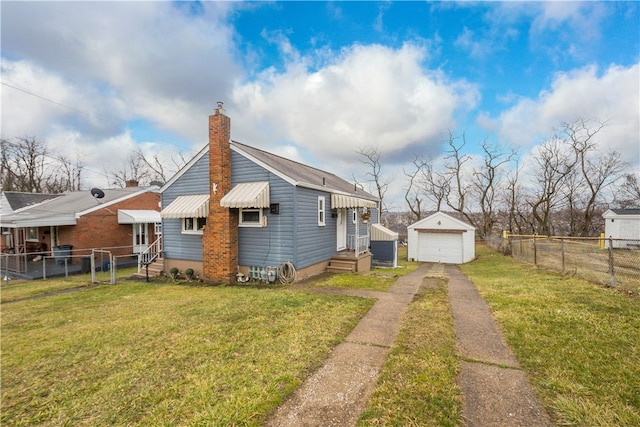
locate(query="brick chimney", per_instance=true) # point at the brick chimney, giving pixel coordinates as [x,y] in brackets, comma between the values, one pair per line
[220,237]
[131,183]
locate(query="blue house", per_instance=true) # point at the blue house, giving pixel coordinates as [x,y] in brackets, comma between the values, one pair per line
[238,213]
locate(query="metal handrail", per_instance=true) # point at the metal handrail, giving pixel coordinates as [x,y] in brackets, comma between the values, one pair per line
[150,254]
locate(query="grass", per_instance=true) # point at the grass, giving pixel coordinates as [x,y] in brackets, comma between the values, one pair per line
[20,289]
[418,384]
[578,342]
[149,354]
[378,279]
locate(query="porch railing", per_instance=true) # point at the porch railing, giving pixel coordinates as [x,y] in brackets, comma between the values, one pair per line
[359,244]
[150,254]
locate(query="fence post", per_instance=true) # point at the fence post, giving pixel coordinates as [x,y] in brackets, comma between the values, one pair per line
[535,251]
[562,246]
[612,279]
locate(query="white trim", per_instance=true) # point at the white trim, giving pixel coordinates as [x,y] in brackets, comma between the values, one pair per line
[322,211]
[256,224]
[113,202]
[194,222]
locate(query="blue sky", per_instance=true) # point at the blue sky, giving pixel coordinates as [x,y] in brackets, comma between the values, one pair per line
[317,81]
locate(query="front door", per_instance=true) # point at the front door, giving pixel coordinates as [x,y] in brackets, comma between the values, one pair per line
[140,238]
[341,229]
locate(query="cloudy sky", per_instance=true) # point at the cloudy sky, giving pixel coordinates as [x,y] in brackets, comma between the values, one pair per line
[316,81]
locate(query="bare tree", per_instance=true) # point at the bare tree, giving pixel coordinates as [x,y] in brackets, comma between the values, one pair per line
[157,170]
[554,163]
[486,181]
[133,168]
[596,171]
[459,187]
[628,194]
[23,164]
[413,192]
[518,218]
[371,157]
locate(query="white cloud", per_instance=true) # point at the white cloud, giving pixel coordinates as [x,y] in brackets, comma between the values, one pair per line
[367,96]
[612,96]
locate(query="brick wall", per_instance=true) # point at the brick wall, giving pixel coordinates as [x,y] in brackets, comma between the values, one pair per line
[220,238]
[100,229]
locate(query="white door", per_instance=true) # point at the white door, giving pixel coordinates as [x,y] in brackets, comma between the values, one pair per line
[341,229]
[140,238]
[440,247]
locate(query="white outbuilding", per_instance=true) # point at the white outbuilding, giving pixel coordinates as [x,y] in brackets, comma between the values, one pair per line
[623,226]
[441,238]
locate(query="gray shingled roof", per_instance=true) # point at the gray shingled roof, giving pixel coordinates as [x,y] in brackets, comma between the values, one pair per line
[18,200]
[304,174]
[62,209]
[626,211]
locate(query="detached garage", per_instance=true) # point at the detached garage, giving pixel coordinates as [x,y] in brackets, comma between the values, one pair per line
[441,238]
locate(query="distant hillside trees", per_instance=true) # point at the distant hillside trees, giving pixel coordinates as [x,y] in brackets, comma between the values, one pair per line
[27,165]
[566,183]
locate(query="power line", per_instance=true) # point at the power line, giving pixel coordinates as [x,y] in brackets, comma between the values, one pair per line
[44,98]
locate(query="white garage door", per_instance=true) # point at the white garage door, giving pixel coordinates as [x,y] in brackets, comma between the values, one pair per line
[440,247]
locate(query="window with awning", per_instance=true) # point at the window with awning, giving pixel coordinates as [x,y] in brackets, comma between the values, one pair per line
[339,201]
[193,206]
[247,195]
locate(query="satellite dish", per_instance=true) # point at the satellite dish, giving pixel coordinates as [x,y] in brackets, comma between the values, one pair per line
[156,183]
[97,193]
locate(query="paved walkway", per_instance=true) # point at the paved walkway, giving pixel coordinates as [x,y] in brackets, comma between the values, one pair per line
[337,393]
[495,390]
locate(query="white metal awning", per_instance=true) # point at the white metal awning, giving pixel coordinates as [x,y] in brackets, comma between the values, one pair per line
[380,232]
[194,206]
[138,216]
[339,201]
[247,195]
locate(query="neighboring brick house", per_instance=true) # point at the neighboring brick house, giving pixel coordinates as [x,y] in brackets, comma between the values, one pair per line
[236,212]
[123,220]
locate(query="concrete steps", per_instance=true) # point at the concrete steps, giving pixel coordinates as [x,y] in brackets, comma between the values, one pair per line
[156,268]
[342,265]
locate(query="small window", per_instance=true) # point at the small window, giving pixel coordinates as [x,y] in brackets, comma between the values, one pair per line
[321,220]
[157,228]
[250,218]
[32,234]
[193,225]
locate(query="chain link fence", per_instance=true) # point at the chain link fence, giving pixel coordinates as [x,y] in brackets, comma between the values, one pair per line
[610,262]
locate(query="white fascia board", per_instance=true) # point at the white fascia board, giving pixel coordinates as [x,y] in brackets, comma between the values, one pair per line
[45,222]
[113,202]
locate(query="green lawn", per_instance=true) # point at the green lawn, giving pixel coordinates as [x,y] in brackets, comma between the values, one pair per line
[150,354]
[578,342]
[14,290]
[168,353]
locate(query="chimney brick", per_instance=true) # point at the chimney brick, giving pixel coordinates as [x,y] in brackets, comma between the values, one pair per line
[220,237]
